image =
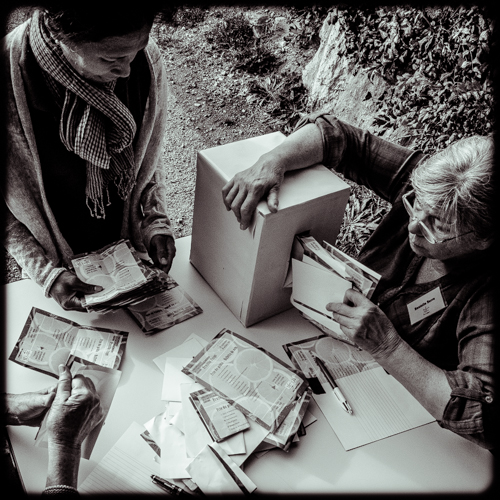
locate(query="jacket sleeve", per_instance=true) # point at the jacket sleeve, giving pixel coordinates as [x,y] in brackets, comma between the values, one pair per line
[153,199]
[470,410]
[27,252]
[362,157]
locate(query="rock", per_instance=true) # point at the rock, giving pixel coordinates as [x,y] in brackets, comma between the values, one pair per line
[336,85]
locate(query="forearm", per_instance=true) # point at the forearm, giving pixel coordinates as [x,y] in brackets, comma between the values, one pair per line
[11,409]
[63,466]
[425,381]
[301,149]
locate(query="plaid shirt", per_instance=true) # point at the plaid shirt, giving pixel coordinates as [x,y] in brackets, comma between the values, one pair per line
[458,338]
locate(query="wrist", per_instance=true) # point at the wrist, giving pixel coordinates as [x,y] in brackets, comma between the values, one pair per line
[10,412]
[391,346]
[63,464]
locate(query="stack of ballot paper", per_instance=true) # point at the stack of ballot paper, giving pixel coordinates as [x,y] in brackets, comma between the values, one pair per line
[322,274]
[164,310]
[48,340]
[225,400]
[125,278]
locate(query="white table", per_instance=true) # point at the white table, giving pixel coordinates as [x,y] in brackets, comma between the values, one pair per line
[424,460]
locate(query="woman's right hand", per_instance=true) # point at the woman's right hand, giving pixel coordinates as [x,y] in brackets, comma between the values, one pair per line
[245,190]
[68,291]
[75,411]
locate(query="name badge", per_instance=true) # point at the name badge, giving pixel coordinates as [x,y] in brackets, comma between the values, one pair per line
[426,305]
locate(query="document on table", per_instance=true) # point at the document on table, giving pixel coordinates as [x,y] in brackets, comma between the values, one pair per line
[382,407]
[126,468]
[115,267]
[164,310]
[48,340]
[256,382]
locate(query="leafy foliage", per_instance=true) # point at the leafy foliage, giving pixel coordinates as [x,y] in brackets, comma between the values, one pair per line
[189,16]
[284,96]
[439,61]
[306,24]
[232,33]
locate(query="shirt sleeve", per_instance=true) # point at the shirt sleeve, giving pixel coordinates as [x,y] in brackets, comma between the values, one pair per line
[362,157]
[470,409]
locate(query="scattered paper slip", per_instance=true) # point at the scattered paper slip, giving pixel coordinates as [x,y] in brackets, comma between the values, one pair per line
[256,382]
[48,340]
[216,473]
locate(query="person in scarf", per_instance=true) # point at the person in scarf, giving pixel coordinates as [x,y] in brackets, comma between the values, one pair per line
[85,113]
[430,321]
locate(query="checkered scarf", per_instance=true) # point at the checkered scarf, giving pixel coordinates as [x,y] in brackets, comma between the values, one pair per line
[94,123]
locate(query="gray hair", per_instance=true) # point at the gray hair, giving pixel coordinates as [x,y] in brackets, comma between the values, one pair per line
[457,182]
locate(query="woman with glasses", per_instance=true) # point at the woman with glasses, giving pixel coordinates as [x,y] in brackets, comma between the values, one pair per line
[430,321]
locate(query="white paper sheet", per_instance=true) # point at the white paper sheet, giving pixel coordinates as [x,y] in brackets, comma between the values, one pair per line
[173,378]
[126,468]
[212,477]
[316,288]
[189,348]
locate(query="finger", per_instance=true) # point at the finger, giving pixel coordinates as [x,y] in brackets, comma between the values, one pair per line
[354,297]
[340,309]
[247,210]
[64,384]
[231,195]
[238,202]
[73,303]
[225,191]
[272,199]
[85,288]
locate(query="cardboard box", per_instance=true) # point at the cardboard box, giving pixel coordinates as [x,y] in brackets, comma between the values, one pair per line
[247,269]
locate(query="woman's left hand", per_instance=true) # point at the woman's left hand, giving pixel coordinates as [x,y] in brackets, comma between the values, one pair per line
[162,251]
[365,324]
[29,408]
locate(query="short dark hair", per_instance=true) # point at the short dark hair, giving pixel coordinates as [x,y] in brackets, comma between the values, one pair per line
[92,20]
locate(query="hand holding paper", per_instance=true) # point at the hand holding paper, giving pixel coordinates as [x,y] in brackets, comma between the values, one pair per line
[75,411]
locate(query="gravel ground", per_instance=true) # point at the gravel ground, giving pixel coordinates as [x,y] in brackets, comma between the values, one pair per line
[207,107]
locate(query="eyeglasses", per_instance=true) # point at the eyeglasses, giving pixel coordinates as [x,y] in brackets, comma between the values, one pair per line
[426,232]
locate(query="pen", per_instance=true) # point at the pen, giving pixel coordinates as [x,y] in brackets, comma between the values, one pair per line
[338,393]
[167,486]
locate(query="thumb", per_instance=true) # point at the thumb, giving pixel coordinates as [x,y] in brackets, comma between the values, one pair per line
[272,199]
[64,384]
[353,298]
[86,288]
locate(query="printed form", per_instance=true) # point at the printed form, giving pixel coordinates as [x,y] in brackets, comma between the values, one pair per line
[381,406]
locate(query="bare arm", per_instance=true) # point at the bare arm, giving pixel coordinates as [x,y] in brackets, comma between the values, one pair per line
[367,325]
[243,192]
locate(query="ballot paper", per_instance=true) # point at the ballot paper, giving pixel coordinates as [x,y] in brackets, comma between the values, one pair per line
[125,278]
[105,381]
[287,431]
[197,435]
[220,418]
[256,382]
[164,310]
[216,473]
[381,406]
[48,340]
